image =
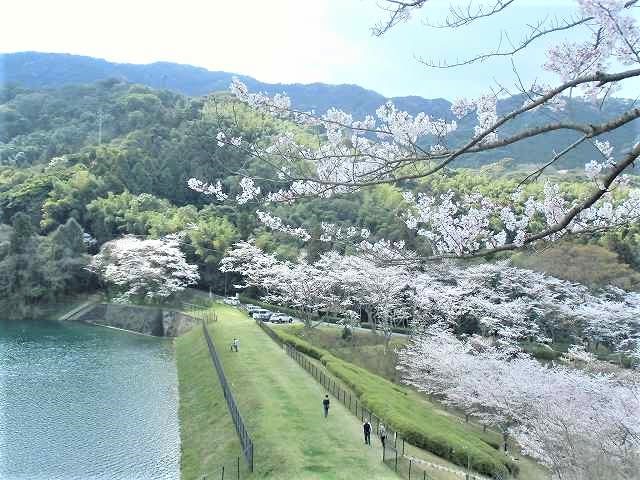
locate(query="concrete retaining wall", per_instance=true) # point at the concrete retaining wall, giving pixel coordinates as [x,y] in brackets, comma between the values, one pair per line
[148,320]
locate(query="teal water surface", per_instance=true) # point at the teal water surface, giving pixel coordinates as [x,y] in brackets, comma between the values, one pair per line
[80,402]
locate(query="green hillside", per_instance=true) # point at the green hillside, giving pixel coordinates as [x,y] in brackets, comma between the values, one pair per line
[116,157]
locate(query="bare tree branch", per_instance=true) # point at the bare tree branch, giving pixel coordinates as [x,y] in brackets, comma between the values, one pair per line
[460,17]
[536,33]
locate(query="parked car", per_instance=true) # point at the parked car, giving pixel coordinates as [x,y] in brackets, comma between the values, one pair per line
[232,301]
[251,308]
[262,314]
[281,318]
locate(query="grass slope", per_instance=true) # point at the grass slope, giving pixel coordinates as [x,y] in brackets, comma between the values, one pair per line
[281,405]
[208,436]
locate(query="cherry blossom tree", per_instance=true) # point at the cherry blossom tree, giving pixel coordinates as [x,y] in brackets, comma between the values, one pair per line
[393,146]
[496,300]
[578,424]
[612,320]
[334,283]
[306,287]
[144,269]
[505,304]
[384,292]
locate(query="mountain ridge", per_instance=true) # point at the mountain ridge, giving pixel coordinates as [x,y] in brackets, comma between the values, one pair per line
[37,70]
[50,70]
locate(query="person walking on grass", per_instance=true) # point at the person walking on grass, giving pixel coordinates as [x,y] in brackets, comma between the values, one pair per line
[383,434]
[236,344]
[366,427]
[325,405]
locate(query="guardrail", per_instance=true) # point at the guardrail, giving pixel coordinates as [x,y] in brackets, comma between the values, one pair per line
[245,439]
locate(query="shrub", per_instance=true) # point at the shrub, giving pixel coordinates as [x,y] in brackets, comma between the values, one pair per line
[541,352]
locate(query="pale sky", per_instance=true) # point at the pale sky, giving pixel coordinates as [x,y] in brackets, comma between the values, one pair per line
[282,40]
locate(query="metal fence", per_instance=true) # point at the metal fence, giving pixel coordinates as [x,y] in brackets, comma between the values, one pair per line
[235,469]
[200,312]
[406,467]
[396,451]
[399,460]
[245,439]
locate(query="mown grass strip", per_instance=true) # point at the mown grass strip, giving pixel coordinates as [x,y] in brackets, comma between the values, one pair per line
[208,437]
[282,407]
[399,408]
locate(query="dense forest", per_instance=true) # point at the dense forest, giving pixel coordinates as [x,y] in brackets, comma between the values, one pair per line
[81,165]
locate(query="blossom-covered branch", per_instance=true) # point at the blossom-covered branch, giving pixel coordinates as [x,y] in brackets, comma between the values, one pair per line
[342,155]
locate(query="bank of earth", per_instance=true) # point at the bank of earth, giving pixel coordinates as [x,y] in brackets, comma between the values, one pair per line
[281,406]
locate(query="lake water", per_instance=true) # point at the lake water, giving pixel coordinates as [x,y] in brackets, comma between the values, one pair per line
[79,402]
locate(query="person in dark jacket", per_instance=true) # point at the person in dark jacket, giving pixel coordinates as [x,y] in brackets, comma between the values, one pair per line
[382,432]
[366,427]
[325,405]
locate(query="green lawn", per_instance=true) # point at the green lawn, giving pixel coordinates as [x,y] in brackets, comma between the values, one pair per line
[282,408]
[207,433]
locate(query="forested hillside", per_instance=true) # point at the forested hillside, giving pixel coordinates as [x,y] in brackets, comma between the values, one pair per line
[113,158]
[52,70]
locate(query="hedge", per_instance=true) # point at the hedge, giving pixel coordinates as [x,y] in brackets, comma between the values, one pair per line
[421,427]
[541,352]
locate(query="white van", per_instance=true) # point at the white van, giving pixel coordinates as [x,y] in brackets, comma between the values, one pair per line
[261,314]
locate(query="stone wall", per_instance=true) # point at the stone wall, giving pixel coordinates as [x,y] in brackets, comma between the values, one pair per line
[148,320]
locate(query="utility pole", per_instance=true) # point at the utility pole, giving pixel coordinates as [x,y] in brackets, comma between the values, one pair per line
[100,126]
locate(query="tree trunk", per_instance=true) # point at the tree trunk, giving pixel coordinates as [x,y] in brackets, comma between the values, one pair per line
[387,339]
[372,321]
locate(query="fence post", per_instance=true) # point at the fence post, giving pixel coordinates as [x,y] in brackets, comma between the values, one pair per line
[409,469]
[403,447]
[396,464]
[238,464]
[222,472]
